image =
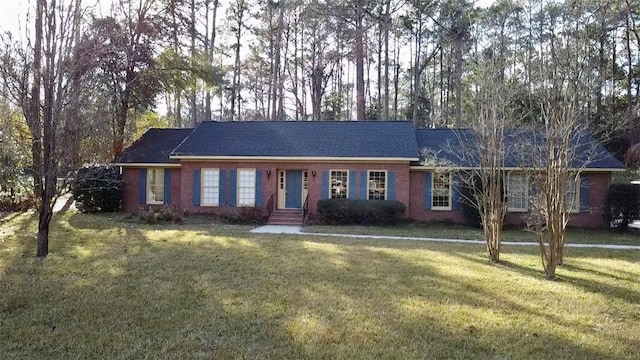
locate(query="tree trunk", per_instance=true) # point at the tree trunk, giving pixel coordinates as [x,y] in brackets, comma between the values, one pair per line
[629,69]
[45,212]
[396,76]
[192,94]
[211,48]
[416,72]
[33,113]
[42,245]
[359,54]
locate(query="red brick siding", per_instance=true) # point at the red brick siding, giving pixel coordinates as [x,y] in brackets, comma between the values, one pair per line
[176,187]
[409,190]
[270,183]
[593,218]
[130,197]
[416,205]
[131,193]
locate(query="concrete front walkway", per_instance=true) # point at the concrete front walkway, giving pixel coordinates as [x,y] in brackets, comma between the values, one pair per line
[278,229]
[281,229]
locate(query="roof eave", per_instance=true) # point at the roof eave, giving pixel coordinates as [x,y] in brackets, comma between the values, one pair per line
[138,165]
[292,158]
[506,168]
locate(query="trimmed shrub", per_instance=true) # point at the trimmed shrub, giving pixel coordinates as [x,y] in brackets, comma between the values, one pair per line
[98,188]
[243,216]
[360,212]
[163,214]
[623,204]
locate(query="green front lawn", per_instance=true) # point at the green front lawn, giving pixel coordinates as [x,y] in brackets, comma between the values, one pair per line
[455,231]
[112,289]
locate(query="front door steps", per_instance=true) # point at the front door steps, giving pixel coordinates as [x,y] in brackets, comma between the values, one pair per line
[291,217]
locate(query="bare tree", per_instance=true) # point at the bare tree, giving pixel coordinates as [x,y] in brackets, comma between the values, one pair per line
[237,15]
[562,149]
[489,124]
[483,151]
[41,81]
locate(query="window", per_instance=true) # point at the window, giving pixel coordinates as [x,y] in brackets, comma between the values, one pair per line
[517,192]
[377,185]
[210,187]
[246,187]
[441,193]
[339,184]
[571,197]
[155,186]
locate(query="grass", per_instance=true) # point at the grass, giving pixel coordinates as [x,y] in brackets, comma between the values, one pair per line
[456,231]
[112,289]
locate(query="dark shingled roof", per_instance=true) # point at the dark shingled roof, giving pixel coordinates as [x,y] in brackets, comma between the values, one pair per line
[335,139]
[457,147]
[154,146]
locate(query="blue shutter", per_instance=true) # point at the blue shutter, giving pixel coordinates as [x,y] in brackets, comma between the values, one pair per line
[353,192]
[391,184]
[364,194]
[258,188]
[167,186]
[142,186]
[427,190]
[196,187]
[233,185]
[325,185]
[455,192]
[584,193]
[222,195]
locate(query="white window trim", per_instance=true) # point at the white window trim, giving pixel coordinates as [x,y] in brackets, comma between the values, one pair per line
[148,186]
[526,191]
[202,186]
[348,183]
[386,181]
[253,201]
[433,180]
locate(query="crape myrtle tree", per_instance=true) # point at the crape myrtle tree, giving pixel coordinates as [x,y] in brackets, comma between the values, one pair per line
[39,76]
[489,122]
[482,151]
[560,151]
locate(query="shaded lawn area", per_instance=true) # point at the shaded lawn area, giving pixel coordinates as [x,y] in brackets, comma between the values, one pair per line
[456,231]
[111,289]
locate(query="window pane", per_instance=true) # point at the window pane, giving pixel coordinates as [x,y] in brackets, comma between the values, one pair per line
[377,185]
[155,186]
[339,184]
[441,192]
[517,192]
[572,202]
[246,187]
[210,187]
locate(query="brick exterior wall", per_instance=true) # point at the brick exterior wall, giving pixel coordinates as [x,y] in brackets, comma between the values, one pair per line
[417,209]
[409,189]
[594,217]
[270,183]
[131,193]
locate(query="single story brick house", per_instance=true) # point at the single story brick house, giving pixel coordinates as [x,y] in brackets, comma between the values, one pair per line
[281,166]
